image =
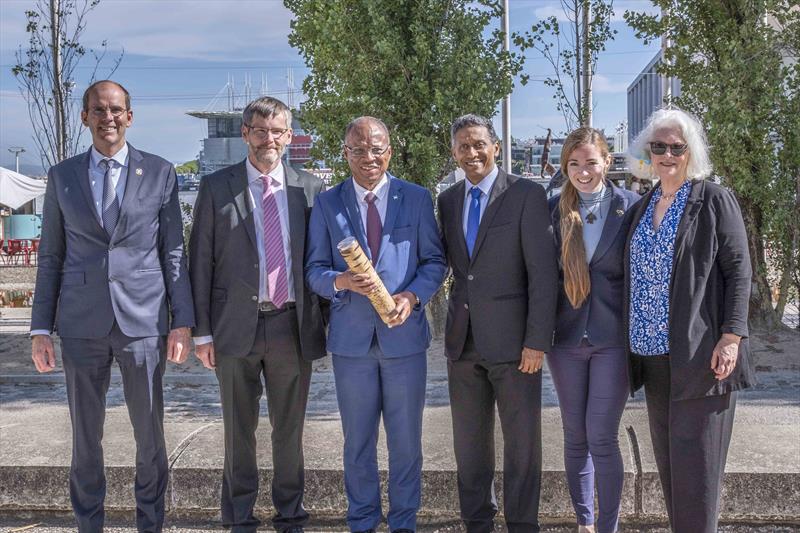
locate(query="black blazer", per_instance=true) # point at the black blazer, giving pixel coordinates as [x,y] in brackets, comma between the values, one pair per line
[709,292]
[507,292]
[600,316]
[223,261]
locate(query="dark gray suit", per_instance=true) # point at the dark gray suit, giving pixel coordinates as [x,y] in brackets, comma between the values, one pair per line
[224,269]
[501,300]
[114,298]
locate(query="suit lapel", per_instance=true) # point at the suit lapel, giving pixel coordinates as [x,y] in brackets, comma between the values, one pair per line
[133,182]
[458,220]
[616,212]
[492,207]
[82,177]
[348,198]
[393,202]
[296,202]
[693,204]
[237,181]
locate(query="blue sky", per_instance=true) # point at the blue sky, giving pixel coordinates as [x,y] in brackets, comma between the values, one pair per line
[179,54]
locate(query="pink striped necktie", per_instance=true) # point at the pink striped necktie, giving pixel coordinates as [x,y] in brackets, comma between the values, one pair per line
[277,280]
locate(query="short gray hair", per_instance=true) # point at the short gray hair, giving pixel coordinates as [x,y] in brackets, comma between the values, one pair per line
[640,160]
[267,107]
[469,120]
[366,118]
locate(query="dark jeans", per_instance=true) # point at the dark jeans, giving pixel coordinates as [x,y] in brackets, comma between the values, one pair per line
[690,443]
[592,387]
[276,356]
[87,368]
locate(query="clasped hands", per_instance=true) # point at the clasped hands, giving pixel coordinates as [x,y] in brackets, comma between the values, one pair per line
[364,284]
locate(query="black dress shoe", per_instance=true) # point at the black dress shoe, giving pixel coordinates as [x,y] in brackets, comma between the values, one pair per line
[365,531]
[294,529]
[403,531]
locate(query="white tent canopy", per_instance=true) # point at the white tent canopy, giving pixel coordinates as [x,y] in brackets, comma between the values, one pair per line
[16,189]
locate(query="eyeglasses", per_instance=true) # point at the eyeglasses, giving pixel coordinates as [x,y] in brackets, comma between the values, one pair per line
[659,148]
[362,152]
[261,133]
[116,111]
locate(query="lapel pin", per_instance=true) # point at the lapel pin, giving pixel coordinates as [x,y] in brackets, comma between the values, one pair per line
[620,212]
[138,171]
[394,197]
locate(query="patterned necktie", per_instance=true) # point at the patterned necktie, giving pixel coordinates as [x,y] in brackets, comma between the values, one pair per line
[277,280]
[473,218]
[374,227]
[110,201]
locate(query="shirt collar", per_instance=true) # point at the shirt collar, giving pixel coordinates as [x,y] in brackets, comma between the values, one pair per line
[485,185]
[253,174]
[379,190]
[121,157]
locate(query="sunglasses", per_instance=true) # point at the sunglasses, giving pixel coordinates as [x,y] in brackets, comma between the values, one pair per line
[659,148]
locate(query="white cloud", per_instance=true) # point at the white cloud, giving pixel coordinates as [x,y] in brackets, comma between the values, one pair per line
[602,84]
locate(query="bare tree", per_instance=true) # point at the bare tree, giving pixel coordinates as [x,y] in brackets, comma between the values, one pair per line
[571,48]
[45,73]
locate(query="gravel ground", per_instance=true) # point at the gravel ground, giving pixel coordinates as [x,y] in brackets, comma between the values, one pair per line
[12,277]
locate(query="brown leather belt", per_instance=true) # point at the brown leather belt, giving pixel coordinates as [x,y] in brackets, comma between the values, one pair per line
[269,307]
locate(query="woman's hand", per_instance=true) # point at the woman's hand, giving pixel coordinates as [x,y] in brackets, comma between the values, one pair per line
[725,355]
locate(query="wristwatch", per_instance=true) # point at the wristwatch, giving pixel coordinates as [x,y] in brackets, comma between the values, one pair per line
[417,303]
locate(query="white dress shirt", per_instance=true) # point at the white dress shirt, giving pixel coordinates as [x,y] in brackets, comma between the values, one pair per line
[485,185]
[255,187]
[97,173]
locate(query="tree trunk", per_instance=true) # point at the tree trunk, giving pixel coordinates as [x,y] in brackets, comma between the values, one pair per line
[762,312]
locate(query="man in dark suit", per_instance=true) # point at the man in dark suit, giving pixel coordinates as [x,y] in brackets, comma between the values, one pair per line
[112,281]
[379,369]
[498,239]
[254,314]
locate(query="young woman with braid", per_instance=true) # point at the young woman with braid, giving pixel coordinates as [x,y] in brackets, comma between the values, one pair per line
[588,360]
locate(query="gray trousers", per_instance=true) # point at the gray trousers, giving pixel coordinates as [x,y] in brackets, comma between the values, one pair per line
[275,356]
[476,385]
[690,443]
[87,368]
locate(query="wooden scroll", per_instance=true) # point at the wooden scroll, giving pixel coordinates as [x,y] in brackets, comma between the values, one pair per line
[358,263]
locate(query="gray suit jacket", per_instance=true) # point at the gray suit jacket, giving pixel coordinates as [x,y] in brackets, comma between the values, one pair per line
[137,277]
[224,268]
[506,293]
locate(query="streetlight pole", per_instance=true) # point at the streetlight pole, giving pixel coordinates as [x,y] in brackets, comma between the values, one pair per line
[507,99]
[16,150]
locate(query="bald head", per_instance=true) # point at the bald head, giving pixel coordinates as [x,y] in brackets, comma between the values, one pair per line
[91,89]
[367,150]
[368,124]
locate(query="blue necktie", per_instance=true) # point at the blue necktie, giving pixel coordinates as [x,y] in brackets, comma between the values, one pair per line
[110,211]
[473,218]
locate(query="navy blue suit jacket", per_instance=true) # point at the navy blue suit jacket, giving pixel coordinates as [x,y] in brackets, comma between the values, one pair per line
[86,280]
[411,258]
[600,316]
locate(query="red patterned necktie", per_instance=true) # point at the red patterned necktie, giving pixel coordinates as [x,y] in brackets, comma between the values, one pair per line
[277,280]
[374,227]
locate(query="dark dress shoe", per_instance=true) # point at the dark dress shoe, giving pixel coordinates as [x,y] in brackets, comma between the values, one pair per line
[365,531]
[294,529]
[403,531]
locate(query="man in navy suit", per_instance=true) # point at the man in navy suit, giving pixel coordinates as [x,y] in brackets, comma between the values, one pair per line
[379,369]
[112,281]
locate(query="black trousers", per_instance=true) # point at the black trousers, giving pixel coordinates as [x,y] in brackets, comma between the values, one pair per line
[690,443]
[476,385]
[276,356]
[87,368]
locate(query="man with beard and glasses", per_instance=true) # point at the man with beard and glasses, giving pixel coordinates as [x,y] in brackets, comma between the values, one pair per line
[254,315]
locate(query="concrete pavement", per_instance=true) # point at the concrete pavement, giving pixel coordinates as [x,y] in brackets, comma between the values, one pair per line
[762,485]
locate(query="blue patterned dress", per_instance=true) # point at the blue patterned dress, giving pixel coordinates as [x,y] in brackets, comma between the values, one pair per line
[651,271]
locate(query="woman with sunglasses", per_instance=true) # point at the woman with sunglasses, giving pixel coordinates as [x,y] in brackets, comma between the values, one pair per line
[687,287]
[588,361]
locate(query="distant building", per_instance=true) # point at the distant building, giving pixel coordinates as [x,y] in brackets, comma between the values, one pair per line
[224,145]
[529,152]
[646,94]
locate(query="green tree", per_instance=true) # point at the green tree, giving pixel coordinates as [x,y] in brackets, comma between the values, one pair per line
[189,167]
[415,64]
[571,48]
[734,60]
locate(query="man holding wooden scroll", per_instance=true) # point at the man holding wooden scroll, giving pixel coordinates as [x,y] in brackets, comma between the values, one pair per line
[379,363]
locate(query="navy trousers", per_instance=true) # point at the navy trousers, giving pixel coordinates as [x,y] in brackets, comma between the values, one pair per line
[87,367]
[368,387]
[592,387]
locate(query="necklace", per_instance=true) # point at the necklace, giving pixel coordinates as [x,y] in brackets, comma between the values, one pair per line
[593,204]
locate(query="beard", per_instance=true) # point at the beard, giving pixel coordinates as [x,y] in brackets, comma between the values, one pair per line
[268,156]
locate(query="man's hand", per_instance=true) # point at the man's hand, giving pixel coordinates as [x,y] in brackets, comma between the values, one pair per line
[43,353]
[725,355]
[531,361]
[205,352]
[360,283]
[178,344]
[403,305]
